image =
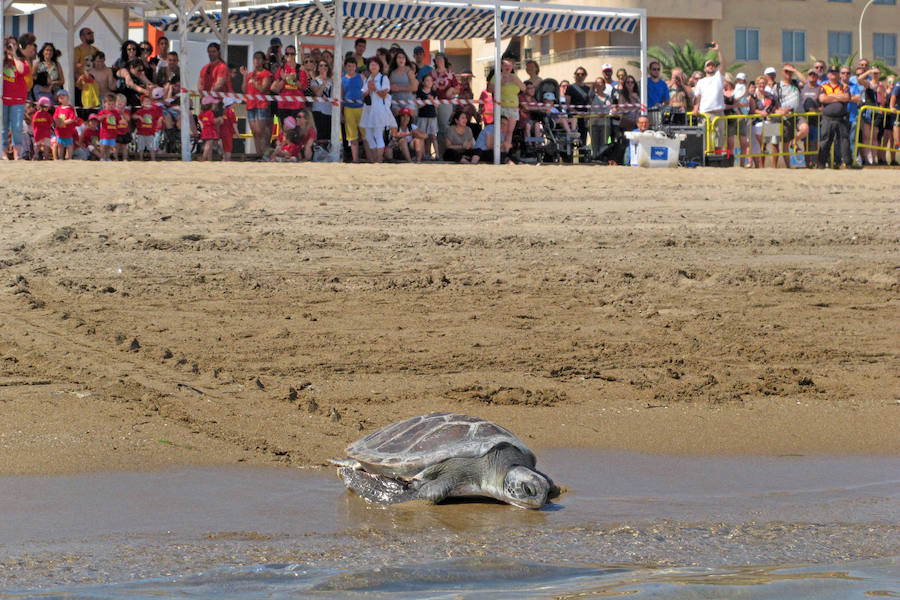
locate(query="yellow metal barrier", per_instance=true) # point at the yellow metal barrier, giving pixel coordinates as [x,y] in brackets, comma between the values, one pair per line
[746,132]
[890,119]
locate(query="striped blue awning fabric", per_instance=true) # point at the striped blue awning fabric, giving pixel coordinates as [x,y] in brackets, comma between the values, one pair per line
[402,21]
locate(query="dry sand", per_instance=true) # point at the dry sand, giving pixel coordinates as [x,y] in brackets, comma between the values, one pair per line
[222,313]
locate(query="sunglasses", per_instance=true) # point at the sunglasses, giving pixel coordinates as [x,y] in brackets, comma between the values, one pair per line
[580,74]
[290,54]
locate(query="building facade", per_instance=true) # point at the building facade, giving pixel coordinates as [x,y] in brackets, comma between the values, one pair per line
[758,33]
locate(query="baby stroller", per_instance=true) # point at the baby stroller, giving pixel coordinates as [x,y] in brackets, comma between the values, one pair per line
[559,142]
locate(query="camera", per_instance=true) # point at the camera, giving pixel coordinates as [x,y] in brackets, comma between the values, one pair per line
[708,45]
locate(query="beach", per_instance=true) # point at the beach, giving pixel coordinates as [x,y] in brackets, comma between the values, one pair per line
[169,314]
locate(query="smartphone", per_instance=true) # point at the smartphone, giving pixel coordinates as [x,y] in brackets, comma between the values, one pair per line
[708,45]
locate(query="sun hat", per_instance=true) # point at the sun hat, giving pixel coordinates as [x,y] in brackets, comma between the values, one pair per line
[465,73]
[606,67]
[157,93]
[770,71]
[275,41]
[229,101]
[418,50]
[710,62]
[405,111]
[209,100]
[549,96]
[44,101]
[290,123]
[62,93]
[93,116]
[741,76]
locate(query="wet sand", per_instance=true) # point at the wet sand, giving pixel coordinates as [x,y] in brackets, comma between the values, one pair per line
[157,315]
[627,519]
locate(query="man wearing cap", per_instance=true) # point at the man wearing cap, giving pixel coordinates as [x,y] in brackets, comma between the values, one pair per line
[742,105]
[834,97]
[608,77]
[787,95]
[770,74]
[709,95]
[422,68]
[214,75]
[809,102]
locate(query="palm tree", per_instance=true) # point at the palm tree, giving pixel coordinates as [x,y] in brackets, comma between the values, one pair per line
[688,58]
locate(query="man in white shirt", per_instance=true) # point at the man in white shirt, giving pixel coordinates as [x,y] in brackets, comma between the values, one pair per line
[709,95]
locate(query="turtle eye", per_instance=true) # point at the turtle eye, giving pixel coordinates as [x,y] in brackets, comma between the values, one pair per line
[529,489]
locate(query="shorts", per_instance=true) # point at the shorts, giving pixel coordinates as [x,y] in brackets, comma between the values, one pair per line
[510,113]
[124,138]
[42,142]
[110,142]
[428,125]
[259,114]
[352,117]
[146,142]
[227,143]
[64,141]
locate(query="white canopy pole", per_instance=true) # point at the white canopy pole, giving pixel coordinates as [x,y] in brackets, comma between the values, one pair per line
[185,101]
[497,86]
[69,64]
[336,74]
[644,61]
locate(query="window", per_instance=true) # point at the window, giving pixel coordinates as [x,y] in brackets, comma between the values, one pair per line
[746,44]
[884,47]
[793,46]
[840,43]
[848,1]
[545,44]
[885,2]
[580,39]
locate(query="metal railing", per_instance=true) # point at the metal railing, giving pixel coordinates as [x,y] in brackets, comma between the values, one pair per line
[592,52]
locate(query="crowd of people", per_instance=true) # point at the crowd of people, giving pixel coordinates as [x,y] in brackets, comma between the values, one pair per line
[392,109]
[813,114]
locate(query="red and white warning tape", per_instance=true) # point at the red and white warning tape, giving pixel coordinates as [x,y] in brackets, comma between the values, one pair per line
[454,101]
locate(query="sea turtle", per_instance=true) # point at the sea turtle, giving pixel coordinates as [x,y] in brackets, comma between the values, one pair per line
[441,455]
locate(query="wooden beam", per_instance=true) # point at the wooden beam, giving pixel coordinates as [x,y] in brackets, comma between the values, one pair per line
[56,14]
[87,13]
[109,26]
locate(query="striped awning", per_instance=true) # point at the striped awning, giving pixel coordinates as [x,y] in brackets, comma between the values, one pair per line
[401,21]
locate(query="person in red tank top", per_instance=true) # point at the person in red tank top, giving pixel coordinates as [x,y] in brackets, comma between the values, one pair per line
[209,127]
[257,83]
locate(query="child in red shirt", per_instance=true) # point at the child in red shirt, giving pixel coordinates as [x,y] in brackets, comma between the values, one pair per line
[209,126]
[42,124]
[148,118]
[90,139]
[66,120]
[228,129]
[109,127]
[123,137]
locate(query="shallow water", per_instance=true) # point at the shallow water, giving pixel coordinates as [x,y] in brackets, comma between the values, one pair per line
[628,524]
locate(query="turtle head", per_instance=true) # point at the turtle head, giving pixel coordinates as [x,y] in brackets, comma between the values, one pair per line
[526,488]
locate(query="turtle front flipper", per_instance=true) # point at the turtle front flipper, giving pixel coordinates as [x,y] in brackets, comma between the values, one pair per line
[376,488]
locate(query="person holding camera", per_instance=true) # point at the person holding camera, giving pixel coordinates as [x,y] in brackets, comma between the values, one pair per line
[15,94]
[274,57]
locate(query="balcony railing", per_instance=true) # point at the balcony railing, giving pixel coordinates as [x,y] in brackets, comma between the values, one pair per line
[591,52]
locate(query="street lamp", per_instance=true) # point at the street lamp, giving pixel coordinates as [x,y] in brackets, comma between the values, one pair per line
[861,15]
